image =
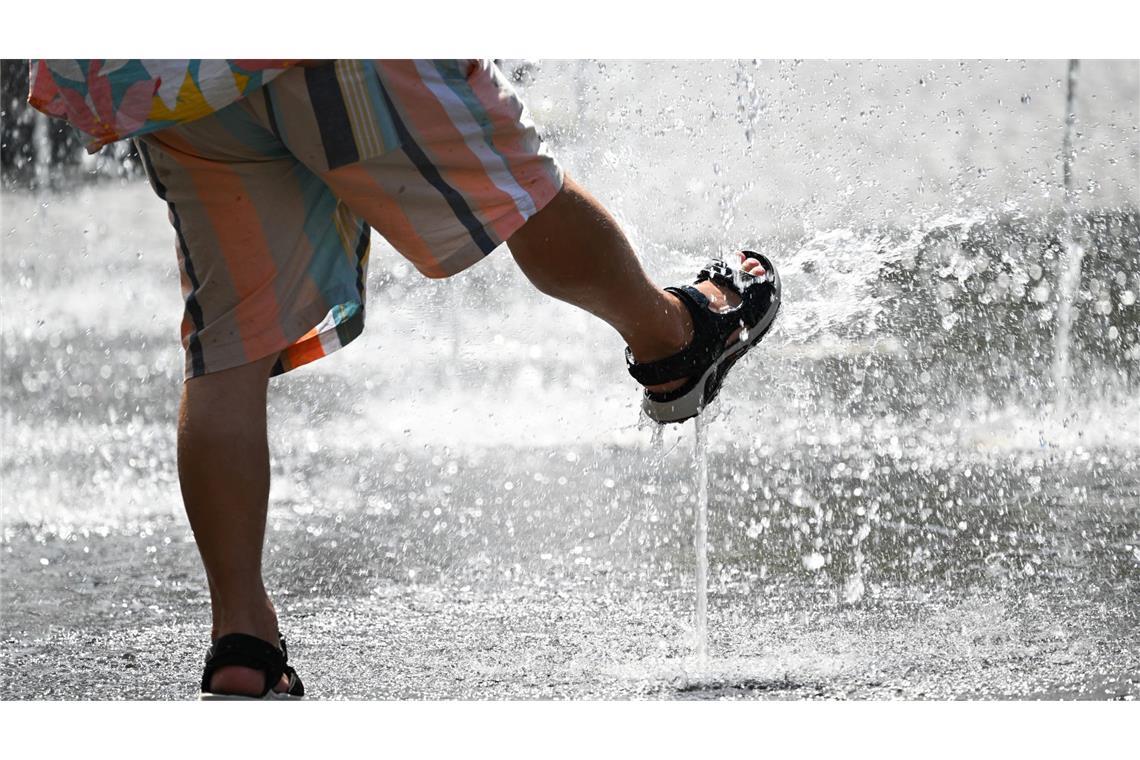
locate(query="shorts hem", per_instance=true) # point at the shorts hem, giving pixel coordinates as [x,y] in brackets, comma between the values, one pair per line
[470,253]
[298,351]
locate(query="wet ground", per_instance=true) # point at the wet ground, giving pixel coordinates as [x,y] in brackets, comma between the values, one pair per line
[451,585]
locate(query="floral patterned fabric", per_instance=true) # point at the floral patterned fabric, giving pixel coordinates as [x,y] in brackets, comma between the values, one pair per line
[109,100]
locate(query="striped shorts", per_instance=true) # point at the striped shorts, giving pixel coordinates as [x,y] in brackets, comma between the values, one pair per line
[274,197]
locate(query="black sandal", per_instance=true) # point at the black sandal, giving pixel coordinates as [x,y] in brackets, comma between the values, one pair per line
[707,359]
[251,652]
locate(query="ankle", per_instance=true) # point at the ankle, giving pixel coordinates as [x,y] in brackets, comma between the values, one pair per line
[258,620]
[669,330]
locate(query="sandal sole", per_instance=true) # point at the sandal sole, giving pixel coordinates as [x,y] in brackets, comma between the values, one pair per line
[273,696]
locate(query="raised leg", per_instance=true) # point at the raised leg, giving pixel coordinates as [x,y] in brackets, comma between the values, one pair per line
[575,251]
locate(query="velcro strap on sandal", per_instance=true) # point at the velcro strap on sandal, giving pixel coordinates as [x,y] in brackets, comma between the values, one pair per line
[296,688]
[705,346]
[720,273]
[755,292]
[245,651]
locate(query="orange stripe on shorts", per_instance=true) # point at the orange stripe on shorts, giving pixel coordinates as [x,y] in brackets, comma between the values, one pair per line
[249,262]
[356,187]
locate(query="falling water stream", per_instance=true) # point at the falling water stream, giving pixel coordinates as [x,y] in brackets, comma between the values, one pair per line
[1071,274]
[749,107]
[41,143]
[701,545]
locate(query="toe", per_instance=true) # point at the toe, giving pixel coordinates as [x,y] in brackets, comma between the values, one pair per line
[753,266]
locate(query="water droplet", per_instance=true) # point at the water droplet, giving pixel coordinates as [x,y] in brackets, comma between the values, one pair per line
[813,561]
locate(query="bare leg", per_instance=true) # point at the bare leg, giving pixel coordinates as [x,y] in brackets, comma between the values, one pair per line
[223,466]
[574,251]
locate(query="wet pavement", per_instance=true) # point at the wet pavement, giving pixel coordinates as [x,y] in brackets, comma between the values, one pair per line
[531,596]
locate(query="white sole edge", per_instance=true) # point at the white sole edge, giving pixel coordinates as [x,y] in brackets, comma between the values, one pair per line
[272,696]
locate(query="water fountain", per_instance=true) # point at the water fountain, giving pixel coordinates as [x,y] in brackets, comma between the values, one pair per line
[874,515]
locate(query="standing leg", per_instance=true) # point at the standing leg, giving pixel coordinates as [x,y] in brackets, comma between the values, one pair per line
[272,271]
[223,467]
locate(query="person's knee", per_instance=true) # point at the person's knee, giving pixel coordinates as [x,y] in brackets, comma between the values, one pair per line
[241,380]
[227,399]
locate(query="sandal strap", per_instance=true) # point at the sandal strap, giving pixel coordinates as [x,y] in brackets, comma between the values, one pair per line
[755,300]
[705,346]
[245,651]
[710,329]
[296,688]
[720,273]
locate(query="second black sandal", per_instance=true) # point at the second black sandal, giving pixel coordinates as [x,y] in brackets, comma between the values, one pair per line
[251,652]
